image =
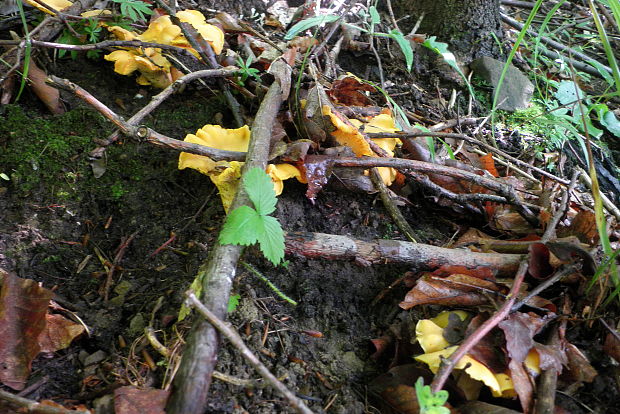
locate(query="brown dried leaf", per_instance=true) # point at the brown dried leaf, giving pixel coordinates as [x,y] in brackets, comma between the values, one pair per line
[58,333]
[539,266]
[402,398]
[523,385]
[454,290]
[583,226]
[23,306]
[349,91]
[487,351]
[519,329]
[131,400]
[48,95]
[579,368]
[318,170]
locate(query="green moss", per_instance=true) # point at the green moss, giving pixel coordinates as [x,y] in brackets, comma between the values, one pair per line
[35,151]
[48,156]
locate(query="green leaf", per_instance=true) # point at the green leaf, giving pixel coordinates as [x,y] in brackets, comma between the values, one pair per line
[308,23]
[271,239]
[601,69]
[233,302]
[405,47]
[374,15]
[134,9]
[607,118]
[429,402]
[246,226]
[568,93]
[259,187]
[442,49]
[610,122]
[4,177]
[242,227]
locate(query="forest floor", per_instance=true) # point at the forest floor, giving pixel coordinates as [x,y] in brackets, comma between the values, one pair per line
[62,227]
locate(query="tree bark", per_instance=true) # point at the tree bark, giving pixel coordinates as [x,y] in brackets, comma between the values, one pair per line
[467,26]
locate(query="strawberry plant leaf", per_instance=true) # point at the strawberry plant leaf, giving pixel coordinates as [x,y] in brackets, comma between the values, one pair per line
[271,240]
[246,226]
[259,187]
[241,227]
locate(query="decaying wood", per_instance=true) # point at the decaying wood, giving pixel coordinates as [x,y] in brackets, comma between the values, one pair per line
[191,384]
[394,251]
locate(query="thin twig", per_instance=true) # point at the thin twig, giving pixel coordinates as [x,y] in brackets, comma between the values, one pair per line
[609,205]
[106,44]
[143,133]
[559,46]
[471,140]
[425,167]
[234,338]
[391,208]
[167,92]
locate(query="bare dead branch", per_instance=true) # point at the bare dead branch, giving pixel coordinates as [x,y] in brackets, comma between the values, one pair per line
[191,384]
[320,245]
[143,133]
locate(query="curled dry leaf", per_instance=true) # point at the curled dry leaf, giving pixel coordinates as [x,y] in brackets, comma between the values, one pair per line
[454,290]
[348,90]
[48,95]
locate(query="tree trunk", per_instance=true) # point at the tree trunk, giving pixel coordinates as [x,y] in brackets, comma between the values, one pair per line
[468,26]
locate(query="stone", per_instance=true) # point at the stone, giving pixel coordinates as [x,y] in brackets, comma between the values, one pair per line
[516,90]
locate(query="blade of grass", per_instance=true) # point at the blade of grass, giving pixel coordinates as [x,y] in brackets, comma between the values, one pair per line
[22,85]
[602,34]
[599,212]
[513,51]
[615,11]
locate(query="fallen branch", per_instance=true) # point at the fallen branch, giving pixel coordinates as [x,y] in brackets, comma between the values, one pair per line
[321,245]
[34,407]
[234,338]
[191,383]
[473,141]
[143,133]
[426,167]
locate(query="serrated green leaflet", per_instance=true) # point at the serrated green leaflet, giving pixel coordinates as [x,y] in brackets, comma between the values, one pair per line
[259,187]
[272,240]
[241,227]
[246,225]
